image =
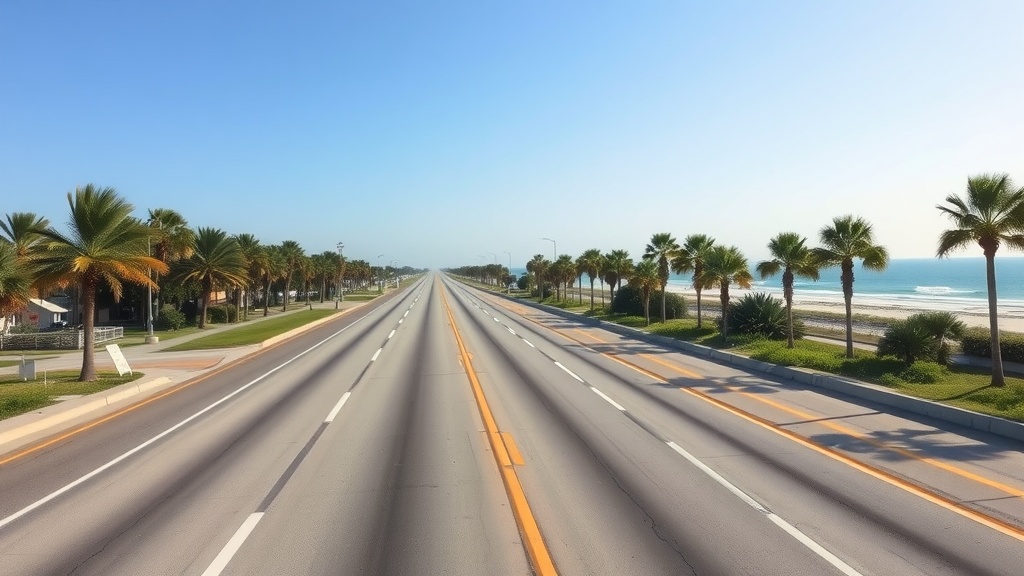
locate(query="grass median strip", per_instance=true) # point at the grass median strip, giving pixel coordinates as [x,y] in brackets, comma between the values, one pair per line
[253,333]
[18,397]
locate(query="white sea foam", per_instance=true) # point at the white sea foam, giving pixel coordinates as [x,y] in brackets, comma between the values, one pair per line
[941,290]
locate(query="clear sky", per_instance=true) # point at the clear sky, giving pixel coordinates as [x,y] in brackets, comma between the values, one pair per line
[436,132]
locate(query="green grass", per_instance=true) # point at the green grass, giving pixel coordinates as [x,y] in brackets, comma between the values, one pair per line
[254,333]
[6,363]
[17,397]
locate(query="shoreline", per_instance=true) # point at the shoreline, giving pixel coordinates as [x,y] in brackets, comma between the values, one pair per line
[1011,316]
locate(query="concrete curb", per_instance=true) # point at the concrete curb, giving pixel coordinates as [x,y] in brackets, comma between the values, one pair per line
[862,390]
[35,422]
[38,421]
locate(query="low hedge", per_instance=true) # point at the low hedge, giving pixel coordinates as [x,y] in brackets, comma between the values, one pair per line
[629,301]
[977,342]
[222,314]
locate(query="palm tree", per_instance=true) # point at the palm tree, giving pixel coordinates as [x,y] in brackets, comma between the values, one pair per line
[907,341]
[173,240]
[255,264]
[991,213]
[275,270]
[690,258]
[645,277]
[564,270]
[792,257]
[292,253]
[106,245]
[216,262]
[662,249]
[942,327]
[850,238]
[590,263]
[723,267]
[618,267]
[15,280]
[538,266]
[21,229]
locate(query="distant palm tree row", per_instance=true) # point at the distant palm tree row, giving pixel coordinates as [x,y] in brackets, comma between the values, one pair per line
[106,247]
[990,213]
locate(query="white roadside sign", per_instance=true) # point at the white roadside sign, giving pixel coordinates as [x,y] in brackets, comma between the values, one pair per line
[119,360]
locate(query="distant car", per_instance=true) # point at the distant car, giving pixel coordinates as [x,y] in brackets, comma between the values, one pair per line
[57,326]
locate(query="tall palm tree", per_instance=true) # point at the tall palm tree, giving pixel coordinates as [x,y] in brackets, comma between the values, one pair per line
[255,265]
[792,257]
[662,249]
[723,267]
[690,258]
[15,280]
[618,267]
[173,240]
[216,262]
[538,266]
[21,229]
[565,269]
[106,245]
[847,239]
[990,213]
[590,263]
[645,277]
[275,270]
[292,253]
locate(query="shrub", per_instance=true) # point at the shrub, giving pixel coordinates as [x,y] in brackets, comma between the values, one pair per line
[916,373]
[976,342]
[907,340]
[24,329]
[221,314]
[762,315]
[170,318]
[630,301]
[942,327]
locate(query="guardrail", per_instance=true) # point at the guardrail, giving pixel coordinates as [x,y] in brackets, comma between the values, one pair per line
[62,340]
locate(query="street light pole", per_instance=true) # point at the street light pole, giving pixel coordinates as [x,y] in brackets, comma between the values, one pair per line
[554,249]
[509,286]
[380,275]
[341,290]
[150,338]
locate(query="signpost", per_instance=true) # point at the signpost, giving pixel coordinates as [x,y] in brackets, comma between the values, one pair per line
[119,360]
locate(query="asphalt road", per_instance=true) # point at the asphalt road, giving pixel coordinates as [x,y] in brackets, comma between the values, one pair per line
[361,447]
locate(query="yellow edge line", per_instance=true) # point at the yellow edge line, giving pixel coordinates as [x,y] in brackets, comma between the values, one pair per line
[981,518]
[532,539]
[994,523]
[121,412]
[967,474]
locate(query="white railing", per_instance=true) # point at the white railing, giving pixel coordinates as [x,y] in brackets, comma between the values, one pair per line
[62,340]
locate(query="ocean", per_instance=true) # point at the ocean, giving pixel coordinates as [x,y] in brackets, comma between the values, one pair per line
[956,284]
[951,283]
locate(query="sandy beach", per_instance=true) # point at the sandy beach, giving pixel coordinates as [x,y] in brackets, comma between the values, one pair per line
[972,311]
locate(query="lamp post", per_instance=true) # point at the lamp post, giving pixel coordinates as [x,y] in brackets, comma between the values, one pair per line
[509,286]
[554,249]
[380,277]
[341,290]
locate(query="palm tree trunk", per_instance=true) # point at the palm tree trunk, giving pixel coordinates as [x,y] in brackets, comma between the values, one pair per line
[88,373]
[787,293]
[581,291]
[602,293]
[647,307]
[207,293]
[993,319]
[724,299]
[847,278]
[266,298]
[591,294]
[663,284]
[699,319]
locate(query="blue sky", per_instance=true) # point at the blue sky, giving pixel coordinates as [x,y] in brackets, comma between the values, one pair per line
[436,132]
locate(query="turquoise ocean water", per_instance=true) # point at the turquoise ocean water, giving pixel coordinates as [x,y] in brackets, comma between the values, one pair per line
[947,282]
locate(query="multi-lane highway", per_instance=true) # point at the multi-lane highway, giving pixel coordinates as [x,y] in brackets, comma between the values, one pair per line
[442,430]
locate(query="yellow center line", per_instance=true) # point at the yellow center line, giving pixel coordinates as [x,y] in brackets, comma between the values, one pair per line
[837,427]
[533,540]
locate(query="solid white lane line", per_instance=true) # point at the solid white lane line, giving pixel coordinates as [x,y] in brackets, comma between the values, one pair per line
[337,407]
[68,487]
[375,354]
[529,343]
[228,552]
[789,528]
[510,331]
[391,335]
[609,400]
[567,371]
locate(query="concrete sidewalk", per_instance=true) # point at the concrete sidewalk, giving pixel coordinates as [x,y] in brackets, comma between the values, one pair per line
[161,370]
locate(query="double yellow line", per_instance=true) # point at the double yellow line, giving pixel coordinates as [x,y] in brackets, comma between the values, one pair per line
[506,454]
